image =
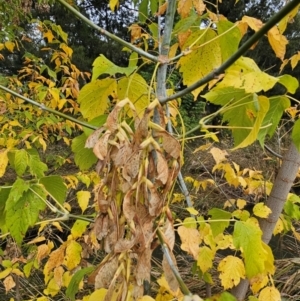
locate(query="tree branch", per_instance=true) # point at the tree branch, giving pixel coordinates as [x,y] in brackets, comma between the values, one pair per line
[108,34]
[44,108]
[242,50]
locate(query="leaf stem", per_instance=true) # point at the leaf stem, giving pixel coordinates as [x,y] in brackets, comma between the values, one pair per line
[43,107]
[241,51]
[168,257]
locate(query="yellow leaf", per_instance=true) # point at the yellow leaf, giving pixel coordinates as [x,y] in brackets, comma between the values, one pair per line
[240,203]
[83,198]
[258,282]
[278,42]
[78,228]
[269,293]
[56,259]
[245,74]
[52,288]
[43,251]
[73,255]
[205,258]
[192,210]
[49,35]
[1,46]
[261,210]
[232,271]
[113,4]
[253,23]
[295,59]
[289,18]
[279,227]
[98,295]
[146,298]
[5,273]
[9,46]
[190,240]
[15,123]
[66,49]
[3,162]
[218,154]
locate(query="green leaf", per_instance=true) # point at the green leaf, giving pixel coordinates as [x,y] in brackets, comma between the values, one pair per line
[84,157]
[242,111]
[260,115]
[290,82]
[36,166]
[245,74]
[73,286]
[23,207]
[230,41]
[218,227]
[202,60]
[225,296]
[143,11]
[4,193]
[247,238]
[136,89]
[94,97]
[97,121]
[277,106]
[296,134]
[102,65]
[187,23]
[20,161]
[55,186]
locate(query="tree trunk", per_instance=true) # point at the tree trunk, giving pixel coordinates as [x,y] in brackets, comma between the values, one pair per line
[282,186]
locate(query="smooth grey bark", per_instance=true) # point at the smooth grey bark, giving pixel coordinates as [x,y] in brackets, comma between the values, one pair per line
[282,186]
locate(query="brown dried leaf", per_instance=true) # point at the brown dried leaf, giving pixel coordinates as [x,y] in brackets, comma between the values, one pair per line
[56,259]
[132,166]
[162,168]
[120,155]
[169,275]
[101,226]
[100,148]
[123,245]
[58,274]
[199,6]
[184,8]
[170,144]
[128,208]
[42,252]
[169,234]
[190,240]
[112,237]
[143,268]
[94,137]
[155,202]
[106,273]
[219,155]
[9,283]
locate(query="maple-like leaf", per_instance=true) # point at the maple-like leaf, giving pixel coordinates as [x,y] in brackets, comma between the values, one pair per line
[261,210]
[218,154]
[3,162]
[245,74]
[205,258]
[247,238]
[205,56]
[278,42]
[22,208]
[94,97]
[79,228]
[269,293]
[9,283]
[73,255]
[232,271]
[216,226]
[190,240]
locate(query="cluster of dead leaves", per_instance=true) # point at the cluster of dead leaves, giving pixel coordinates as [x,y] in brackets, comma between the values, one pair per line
[138,164]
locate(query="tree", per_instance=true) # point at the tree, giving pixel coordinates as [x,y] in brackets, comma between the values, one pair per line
[127,129]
